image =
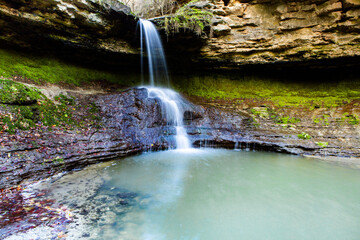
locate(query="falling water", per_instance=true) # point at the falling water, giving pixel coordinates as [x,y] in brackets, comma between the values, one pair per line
[158,72]
[171,102]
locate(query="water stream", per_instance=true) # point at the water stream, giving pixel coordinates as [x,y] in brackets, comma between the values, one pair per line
[171,102]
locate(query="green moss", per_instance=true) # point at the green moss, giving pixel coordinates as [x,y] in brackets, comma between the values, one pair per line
[304,136]
[322,144]
[282,94]
[352,119]
[36,108]
[44,69]
[65,100]
[286,120]
[16,93]
[189,18]
[260,112]
[324,120]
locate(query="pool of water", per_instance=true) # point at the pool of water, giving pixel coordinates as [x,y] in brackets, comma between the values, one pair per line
[212,194]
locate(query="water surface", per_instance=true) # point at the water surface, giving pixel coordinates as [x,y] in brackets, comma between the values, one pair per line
[220,194]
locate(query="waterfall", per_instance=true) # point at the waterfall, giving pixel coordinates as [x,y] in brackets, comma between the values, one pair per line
[158,72]
[172,104]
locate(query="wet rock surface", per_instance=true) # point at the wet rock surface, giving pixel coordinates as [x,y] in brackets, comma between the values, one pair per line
[233,125]
[132,123]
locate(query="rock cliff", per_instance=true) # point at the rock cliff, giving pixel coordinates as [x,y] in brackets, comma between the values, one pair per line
[86,27]
[131,123]
[243,32]
[255,32]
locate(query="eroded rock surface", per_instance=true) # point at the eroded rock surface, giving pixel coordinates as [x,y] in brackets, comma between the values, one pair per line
[54,25]
[258,32]
[132,123]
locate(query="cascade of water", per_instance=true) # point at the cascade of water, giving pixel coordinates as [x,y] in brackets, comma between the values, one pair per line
[158,72]
[171,102]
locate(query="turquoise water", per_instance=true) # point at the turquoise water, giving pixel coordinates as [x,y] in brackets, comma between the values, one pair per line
[223,194]
[207,195]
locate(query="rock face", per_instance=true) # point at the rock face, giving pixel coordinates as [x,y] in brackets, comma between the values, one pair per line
[243,32]
[133,123]
[256,32]
[67,27]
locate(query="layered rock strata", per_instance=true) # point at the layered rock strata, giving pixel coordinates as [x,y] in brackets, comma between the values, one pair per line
[67,27]
[133,123]
[257,32]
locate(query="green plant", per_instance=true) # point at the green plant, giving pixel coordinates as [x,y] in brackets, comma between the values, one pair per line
[25,106]
[260,112]
[16,94]
[286,120]
[304,136]
[322,144]
[254,122]
[59,160]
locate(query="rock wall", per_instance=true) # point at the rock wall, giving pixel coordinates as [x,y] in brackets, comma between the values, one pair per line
[85,26]
[132,123]
[243,31]
[263,31]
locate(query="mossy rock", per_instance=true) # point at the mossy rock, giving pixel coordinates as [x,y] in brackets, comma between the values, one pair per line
[13,93]
[23,107]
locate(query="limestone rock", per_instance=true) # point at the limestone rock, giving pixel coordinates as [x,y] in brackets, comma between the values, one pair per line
[221,29]
[258,32]
[351,3]
[90,25]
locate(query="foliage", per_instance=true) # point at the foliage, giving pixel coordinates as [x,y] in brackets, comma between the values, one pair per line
[322,144]
[268,113]
[304,136]
[65,99]
[188,17]
[254,122]
[44,69]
